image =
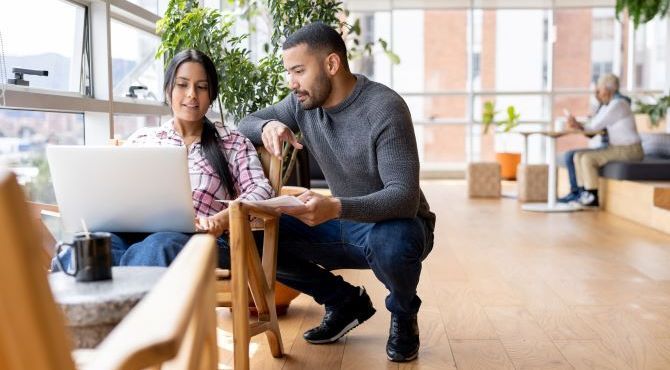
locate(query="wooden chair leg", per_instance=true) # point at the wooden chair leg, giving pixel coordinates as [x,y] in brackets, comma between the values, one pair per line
[240,295]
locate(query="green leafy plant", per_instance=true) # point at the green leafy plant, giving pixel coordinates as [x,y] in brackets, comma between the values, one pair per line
[506,124]
[488,115]
[656,111]
[245,85]
[642,11]
[511,121]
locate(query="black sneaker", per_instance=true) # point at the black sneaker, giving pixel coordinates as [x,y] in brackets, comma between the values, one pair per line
[403,343]
[340,319]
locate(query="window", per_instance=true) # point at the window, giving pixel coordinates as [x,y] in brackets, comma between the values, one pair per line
[134,64]
[23,139]
[603,28]
[155,6]
[125,125]
[55,45]
[650,55]
[513,57]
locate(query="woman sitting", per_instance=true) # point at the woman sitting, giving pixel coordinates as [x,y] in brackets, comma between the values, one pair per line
[222,163]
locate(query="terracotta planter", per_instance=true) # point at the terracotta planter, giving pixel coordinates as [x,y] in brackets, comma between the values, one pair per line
[508,163]
[283,297]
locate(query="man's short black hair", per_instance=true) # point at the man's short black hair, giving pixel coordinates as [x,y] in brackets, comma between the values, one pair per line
[318,36]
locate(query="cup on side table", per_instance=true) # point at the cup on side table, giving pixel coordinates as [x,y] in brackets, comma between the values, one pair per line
[91,256]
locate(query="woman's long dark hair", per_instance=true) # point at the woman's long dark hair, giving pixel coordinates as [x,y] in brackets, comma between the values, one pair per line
[210,138]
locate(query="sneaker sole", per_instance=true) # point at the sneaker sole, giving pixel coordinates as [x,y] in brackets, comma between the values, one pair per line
[344,331]
[411,358]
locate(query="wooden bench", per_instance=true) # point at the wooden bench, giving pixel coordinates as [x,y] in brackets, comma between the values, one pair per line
[643,202]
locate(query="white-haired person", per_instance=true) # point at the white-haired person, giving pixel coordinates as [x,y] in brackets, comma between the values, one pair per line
[616,117]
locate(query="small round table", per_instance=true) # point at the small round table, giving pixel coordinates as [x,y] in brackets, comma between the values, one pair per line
[93,309]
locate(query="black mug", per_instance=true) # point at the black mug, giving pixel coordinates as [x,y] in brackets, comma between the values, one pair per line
[91,255]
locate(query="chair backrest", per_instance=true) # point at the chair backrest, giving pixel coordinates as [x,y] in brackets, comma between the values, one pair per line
[179,333]
[32,335]
[176,331]
[272,167]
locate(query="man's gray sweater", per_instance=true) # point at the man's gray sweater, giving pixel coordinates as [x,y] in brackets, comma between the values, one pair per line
[365,147]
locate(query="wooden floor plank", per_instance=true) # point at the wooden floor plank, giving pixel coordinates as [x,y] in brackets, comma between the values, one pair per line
[508,289]
[525,342]
[480,355]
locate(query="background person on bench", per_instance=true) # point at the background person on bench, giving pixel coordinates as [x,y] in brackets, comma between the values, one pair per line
[616,116]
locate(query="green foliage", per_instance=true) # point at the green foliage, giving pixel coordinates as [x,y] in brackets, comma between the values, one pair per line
[289,15]
[655,111]
[488,115]
[511,121]
[507,124]
[642,11]
[244,86]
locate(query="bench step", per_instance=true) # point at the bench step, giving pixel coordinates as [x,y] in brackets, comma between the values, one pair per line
[662,197]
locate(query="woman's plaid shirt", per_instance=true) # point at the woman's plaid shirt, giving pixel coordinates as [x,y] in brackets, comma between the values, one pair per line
[245,167]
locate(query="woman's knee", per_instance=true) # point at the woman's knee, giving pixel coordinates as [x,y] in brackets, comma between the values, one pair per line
[157,249]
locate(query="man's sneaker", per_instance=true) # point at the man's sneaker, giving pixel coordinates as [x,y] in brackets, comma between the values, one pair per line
[403,343]
[572,197]
[589,198]
[340,319]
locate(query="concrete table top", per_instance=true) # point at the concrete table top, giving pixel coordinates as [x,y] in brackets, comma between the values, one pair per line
[92,309]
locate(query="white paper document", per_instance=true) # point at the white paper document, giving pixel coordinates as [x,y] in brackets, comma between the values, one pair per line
[281,201]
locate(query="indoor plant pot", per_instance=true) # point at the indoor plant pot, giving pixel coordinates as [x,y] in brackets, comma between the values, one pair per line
[508,164]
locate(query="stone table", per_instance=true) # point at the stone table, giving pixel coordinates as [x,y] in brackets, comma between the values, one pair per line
[92,309]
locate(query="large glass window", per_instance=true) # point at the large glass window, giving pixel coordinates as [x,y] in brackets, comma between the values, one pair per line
[126,125]
[511,57]
[651,45]
[54,49]
[133,63]
[155,6]
[24,136]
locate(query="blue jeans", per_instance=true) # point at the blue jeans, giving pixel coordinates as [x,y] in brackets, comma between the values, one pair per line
[570,166]
[150,249]
[393,249]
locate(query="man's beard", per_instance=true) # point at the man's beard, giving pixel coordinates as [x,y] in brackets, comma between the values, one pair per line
[319,95]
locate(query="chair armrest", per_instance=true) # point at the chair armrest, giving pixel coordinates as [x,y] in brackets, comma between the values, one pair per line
[255,210]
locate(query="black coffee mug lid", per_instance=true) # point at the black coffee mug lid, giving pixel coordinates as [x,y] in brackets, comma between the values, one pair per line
[92,235]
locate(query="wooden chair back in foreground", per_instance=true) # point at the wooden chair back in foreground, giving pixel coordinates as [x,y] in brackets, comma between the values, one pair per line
[250,273]
[175,332]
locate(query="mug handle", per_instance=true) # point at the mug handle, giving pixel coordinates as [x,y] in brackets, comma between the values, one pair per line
[58,261]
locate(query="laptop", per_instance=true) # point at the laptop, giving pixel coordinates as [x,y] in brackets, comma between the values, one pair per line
[122,189]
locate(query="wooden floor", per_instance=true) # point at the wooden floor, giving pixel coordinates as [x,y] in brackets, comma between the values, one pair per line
[507,289]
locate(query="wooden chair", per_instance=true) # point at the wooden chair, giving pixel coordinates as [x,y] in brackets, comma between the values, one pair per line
[164,329]
[250,273]
[254,274]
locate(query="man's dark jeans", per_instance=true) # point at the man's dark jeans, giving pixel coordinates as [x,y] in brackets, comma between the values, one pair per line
[393,249]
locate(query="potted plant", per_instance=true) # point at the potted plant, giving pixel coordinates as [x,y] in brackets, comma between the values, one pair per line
[653,114]
[508,160]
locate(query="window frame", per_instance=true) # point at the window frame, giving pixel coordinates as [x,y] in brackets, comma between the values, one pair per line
[470,93]
[98,104]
